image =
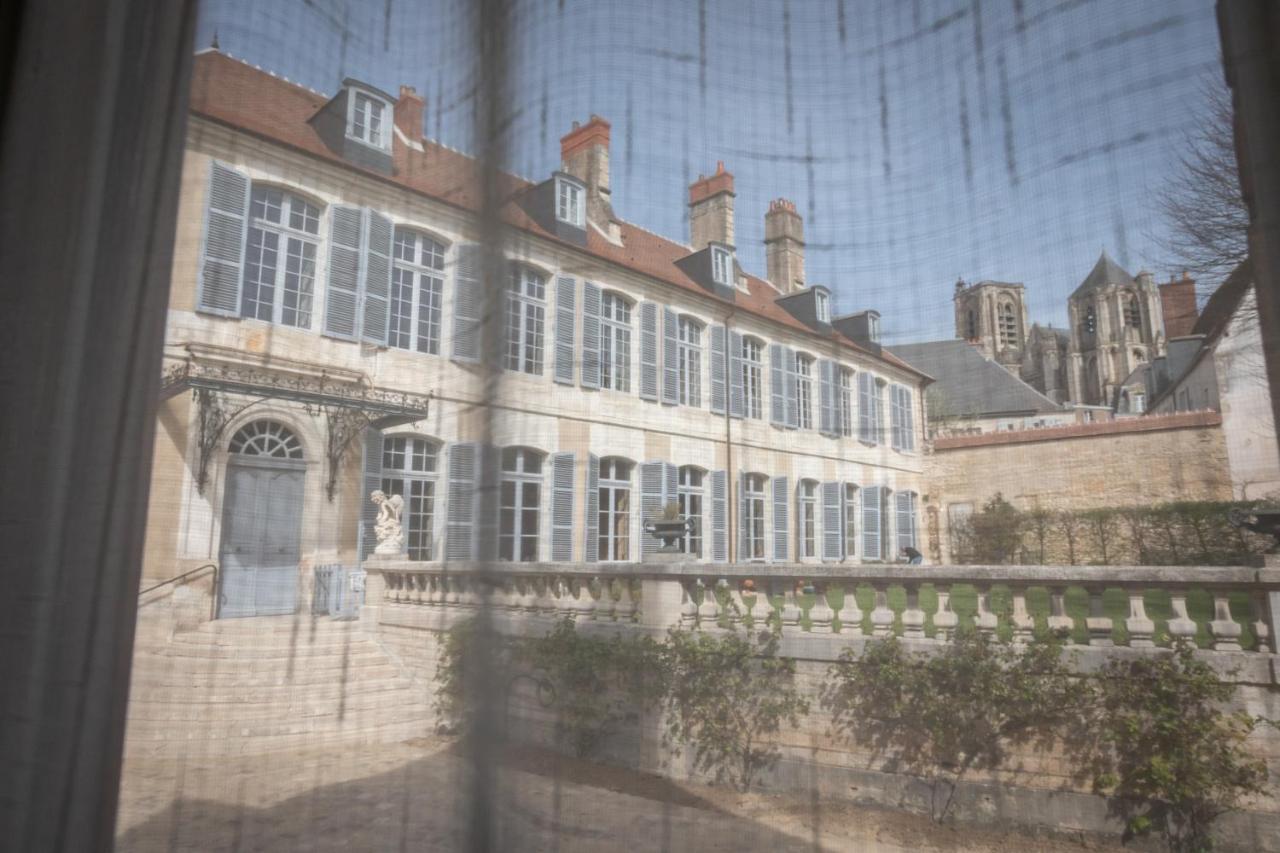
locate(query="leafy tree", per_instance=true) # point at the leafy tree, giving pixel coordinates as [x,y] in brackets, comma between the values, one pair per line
[997,531]
[451,701]
[1168,755]
[1102,524]
[940,715]
[1039,522]
[728,695]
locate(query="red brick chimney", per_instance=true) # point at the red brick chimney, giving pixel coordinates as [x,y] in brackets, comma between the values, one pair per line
[1178,304]
[784,246]
[410,110]
[711,208]
[584,153]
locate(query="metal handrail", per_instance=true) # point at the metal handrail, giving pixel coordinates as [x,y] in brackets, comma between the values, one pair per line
[185,574]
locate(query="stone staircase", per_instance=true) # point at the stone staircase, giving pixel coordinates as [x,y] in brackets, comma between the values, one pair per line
[269,684]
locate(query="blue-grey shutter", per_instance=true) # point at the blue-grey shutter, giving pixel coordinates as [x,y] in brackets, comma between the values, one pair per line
[460,514]
[781,499]
[670,356]
[908,420]
[777,392]
[566,319]
[648,351]
[866,413]
[744,553]
[377,279]
[342,294]
[827,397]
[371,470]
[591,530]
[652,486]
[562,478]
[832,522]
[906,519]
[222,257]
[468,304]
[793,398]
[893,417]
[590,335]
[736,402]
[871,523]
[718,361]
[719,517]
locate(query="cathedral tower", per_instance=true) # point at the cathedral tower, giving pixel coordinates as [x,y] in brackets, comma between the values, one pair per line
[992,315]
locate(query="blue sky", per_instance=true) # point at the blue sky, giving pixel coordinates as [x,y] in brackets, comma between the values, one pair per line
[922,140]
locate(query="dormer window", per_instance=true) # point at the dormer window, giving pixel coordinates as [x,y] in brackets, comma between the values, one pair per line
[367,120]
[569,203]
[722,266]
[873,328]
[822,306]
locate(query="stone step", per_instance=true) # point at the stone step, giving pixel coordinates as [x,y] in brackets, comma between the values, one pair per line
[225,702]
[323,727]
[171,746]
[178,671]
[248,648]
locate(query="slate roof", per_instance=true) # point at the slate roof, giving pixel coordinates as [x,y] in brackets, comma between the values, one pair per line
[1222,304]
[230,92]
[970,384]
[1104,272]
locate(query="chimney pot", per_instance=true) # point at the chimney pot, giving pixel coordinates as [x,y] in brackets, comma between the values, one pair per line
[584,153]
[711,208]
[784,246]
[409,111]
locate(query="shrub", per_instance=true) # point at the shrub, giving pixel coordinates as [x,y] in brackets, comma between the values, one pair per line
[996,531]
[1169,757]
[729,694]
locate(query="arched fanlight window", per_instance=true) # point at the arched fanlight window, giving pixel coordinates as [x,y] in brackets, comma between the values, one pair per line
[266,438]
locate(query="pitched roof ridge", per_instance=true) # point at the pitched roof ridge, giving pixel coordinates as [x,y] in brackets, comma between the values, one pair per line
[226,54]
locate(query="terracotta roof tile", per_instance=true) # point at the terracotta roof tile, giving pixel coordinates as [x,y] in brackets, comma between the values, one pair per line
[236,94]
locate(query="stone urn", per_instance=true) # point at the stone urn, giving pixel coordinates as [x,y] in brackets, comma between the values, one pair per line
[669,528]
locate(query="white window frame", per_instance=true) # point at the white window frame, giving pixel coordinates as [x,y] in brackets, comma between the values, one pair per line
[804,391]
[526,321]
[382,140]
[613,529]
[419,469]
[873,328]
[822,306]
[615,341]
[807,519]
[752,361]
[722,266]
[423,276]
[691,499]
[689,361]
[850,516]
[753,520]
[571,203]
[844,401]
[519,476]
[286,235]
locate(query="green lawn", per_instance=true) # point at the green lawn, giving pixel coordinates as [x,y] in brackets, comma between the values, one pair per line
[964,602]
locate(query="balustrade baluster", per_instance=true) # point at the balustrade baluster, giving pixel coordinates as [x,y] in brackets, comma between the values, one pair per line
[1098,623]
[913,616]
[790,613]
[1225,630]
[1263,641]
[881,615]
[1024,624]
[435,592]
[985,620]
[605,608]
[850,614]
[1142,630]
[566,604]
[946,619]
[1059,622]
[735,612]
[627,602]
[821,614]
[1181,626]
[709,609]
[688,608]
[584,603]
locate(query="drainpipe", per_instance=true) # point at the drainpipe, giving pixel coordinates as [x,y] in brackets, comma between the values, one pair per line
[730,515]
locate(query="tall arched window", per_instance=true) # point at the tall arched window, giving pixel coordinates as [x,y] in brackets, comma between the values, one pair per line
[752,358]
[971,325]
[846,402]
[417,279]
[689,497]
[280,257]
[753,501]
[614,529]
[271,439]
[1132,312]
[804,392]
[1008,324]
[526,319]
[807,517]
[615,342]
[849,510]
[519,502]
[409,466]
[690,362]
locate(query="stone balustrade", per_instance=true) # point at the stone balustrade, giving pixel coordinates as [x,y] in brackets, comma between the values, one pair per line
[1232,609]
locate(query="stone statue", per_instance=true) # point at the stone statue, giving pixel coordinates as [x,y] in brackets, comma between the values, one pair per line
[387,528]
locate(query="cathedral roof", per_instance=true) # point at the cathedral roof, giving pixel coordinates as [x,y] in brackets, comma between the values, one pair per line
[971,385]
[1105,272]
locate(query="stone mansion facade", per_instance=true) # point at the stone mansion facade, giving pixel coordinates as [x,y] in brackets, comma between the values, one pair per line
[323,341]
